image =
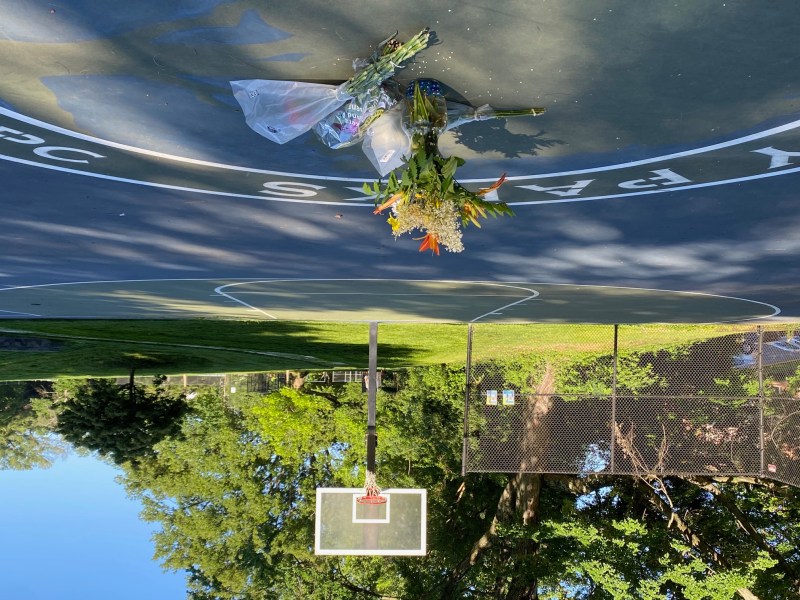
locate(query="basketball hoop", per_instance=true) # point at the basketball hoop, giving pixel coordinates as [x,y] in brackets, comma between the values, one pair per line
[371,499]
[372,493]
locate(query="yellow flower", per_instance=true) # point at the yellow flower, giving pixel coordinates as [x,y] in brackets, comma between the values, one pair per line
[393,222]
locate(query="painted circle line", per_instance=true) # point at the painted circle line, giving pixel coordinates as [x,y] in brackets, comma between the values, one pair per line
[533,293]
[775,310]
[242,281]
[721,145]
[303,195]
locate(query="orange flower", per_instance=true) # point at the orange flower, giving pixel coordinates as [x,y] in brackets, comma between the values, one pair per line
[388,203]
[494,186]
[429,242]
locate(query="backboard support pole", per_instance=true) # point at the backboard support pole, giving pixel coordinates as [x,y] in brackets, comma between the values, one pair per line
[372,391]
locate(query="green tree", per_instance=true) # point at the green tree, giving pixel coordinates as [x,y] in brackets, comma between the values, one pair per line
[26,420]
[122,422]
[234,497]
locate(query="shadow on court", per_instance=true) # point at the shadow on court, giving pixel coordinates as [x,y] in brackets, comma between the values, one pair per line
[354,300]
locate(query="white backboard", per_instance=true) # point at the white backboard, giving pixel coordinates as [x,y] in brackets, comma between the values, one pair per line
[396,528]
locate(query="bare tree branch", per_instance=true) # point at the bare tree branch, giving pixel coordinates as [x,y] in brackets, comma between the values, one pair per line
[744,522]
[658,496]
[688,534]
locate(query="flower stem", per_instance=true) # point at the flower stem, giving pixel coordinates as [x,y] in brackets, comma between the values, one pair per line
[376,73]
[520,112]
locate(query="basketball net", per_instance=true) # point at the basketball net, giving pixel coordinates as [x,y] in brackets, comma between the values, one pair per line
[372,493]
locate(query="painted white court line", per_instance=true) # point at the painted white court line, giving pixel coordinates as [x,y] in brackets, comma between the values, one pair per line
[497,311]
[776,310]
[219,291]
[180,188]
[646,161]
[363,201]
[364,204]
[155,154]
[676,188]
[709,148]
[237,281]
[381,294]
[385,295]
[65,283]
[16,312]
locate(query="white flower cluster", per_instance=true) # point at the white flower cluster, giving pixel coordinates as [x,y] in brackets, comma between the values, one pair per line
[439,218]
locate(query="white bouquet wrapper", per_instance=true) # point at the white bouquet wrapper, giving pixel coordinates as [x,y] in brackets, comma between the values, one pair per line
[386,141]
[346,125]
[283,110]
[458,114]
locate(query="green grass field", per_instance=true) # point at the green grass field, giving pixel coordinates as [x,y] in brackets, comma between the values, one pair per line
[111,348]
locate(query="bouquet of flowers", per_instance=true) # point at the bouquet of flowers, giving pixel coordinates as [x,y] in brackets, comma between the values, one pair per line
[387,140]
[426,196]
[283,110]
[397,133]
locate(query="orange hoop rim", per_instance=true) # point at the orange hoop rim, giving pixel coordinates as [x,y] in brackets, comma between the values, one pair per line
[371,499]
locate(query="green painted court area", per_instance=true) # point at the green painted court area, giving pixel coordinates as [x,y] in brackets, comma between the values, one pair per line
[374,300]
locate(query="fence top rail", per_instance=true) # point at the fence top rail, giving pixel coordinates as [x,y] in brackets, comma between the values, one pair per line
[609,397]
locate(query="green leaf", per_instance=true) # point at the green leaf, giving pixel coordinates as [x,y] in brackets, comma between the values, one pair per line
[447,185]
[413,167]
[449,167]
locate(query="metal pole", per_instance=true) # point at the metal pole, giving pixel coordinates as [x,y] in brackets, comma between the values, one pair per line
[614,402]
[760,330]
[372,392]
[466,403]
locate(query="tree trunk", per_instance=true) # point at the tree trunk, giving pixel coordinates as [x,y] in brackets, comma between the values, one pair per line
[519,500]
[536,439]
[131,386]
[528,484]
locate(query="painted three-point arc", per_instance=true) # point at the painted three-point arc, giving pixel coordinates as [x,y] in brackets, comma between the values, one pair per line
[32,142]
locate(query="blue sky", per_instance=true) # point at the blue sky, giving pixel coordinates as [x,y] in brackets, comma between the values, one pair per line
[69,532]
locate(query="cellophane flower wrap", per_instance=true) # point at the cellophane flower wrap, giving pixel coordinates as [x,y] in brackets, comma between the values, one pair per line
[426,197]
[282,110]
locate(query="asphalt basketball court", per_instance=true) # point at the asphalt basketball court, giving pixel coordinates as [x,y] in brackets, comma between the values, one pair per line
[659,185]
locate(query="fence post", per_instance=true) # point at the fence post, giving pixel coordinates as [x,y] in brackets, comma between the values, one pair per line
[467,387]
[760,330]
[614,402]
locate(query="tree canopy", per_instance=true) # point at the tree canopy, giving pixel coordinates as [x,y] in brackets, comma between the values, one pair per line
[26,421]
[234,497]
[122,422]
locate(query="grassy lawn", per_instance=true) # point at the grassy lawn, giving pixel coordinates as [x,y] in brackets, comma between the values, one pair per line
[229,346]
[232,346]
[502,341]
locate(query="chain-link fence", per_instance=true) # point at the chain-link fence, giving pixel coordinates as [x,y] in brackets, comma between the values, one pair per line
[635,399]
